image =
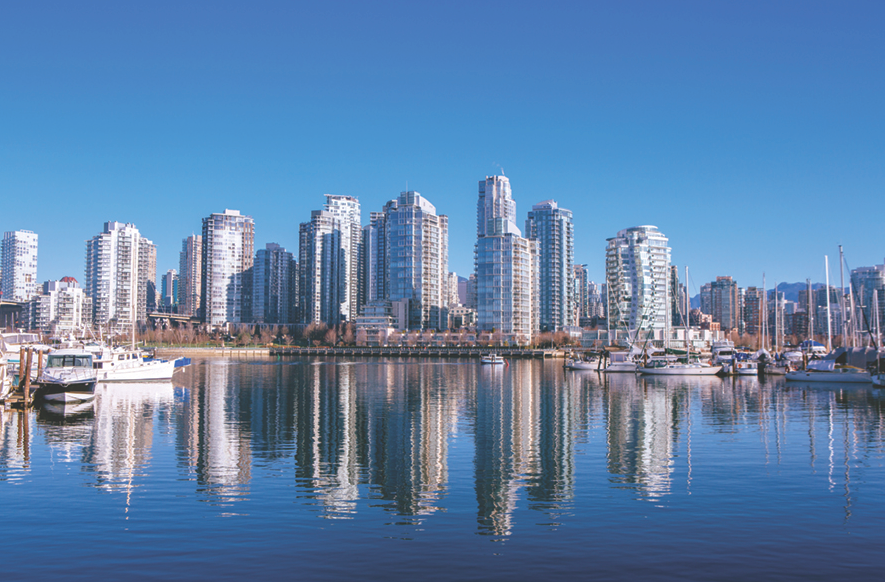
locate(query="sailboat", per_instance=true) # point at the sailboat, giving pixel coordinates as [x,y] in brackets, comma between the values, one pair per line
[689,368]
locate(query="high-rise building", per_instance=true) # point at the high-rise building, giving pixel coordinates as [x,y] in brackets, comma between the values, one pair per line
[678,310]
[580,279]
[61,309]
[752,311]
[376,256]
[452,290]
[120,268]
[329,262]
[169,291]
[18,264]
[228,243]
[190,269]
[725,303]
[419,260]
[274,287]
[867,282]
[706,297]
[637,273]
[506,266]
[551,226]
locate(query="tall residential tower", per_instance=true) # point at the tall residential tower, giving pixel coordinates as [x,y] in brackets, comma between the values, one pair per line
[228,243]
[18,265]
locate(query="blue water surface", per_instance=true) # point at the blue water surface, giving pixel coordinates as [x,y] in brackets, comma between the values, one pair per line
[445,469]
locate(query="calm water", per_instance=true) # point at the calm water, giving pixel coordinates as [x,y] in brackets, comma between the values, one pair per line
[438,470]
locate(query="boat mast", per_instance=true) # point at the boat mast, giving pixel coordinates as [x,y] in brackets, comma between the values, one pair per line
[810,308]
[829,318]
[777,337]
[876,315]
[764,310]
[687,322]
[842,297]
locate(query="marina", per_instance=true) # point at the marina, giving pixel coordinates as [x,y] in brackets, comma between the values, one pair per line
[262,467]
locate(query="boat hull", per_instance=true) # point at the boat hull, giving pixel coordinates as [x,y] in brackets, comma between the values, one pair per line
[73,392]
[837,377]
[621,368]
[686,371]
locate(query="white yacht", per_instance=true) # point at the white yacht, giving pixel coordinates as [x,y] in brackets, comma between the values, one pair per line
[128,365]
[664,368]
[723,355]
[67,377]
[493,359]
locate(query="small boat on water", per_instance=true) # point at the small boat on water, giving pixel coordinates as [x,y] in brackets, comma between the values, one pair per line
[830,371]
[746,368]
[68,377]
[579,363]
[493,359]
[664,368]
[724,355]
[878,379]
[128,365]
[620,362]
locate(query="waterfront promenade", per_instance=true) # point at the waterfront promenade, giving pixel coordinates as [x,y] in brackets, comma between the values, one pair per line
[362,352]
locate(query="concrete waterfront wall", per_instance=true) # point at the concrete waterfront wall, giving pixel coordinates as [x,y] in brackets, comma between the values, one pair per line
[366,352]
[212,352]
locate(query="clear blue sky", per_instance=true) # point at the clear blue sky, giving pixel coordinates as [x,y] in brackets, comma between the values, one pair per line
[751,133]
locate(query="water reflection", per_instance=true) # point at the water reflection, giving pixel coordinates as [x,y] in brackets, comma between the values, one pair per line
[378,436]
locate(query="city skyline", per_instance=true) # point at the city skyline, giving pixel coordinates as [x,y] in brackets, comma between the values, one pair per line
[741,134]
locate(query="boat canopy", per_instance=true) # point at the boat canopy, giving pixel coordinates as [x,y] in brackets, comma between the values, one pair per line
[822,365]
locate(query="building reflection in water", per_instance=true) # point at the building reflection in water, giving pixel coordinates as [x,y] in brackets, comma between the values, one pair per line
[525,423]
[378,433]
[644,420]
[383,425]
[211,442]
[121,440]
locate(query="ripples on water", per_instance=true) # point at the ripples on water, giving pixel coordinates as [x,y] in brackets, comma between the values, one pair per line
[446,469]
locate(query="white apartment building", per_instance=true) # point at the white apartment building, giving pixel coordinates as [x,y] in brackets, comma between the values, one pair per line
[228,251]
[419,260]
[121,275]
[18,264]
[506,266]
[637,272]
[63,308]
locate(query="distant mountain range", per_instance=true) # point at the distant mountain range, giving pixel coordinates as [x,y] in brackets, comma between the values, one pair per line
[790,291]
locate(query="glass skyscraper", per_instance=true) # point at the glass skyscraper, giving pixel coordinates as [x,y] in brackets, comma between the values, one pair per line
[330,262]
[274,279]
[552,227]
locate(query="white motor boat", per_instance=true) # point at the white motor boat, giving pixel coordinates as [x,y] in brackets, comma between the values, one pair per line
[723,355]
[829,371]
[67,377]
[126,365]
[664,368]
[493,359]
